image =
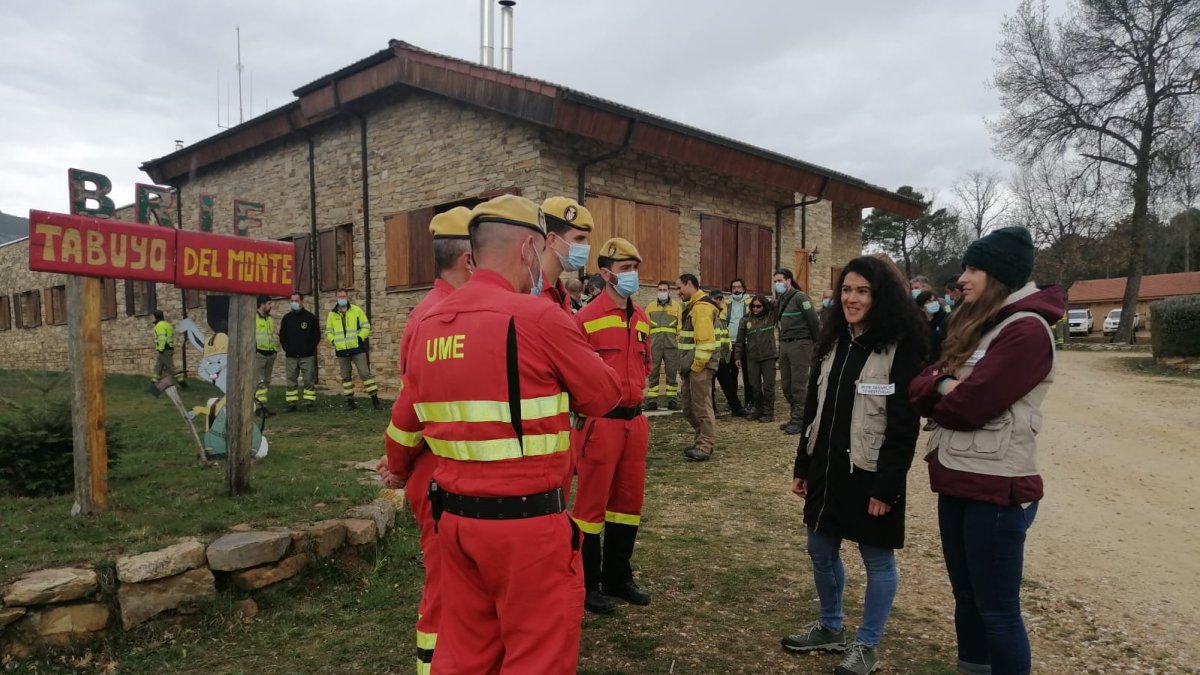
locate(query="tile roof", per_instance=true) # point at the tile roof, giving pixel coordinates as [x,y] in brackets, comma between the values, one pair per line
[1154,286]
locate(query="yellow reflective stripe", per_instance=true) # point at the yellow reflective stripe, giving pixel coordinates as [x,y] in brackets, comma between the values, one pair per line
[588,528]
[667,329]
[687,333]
[685,346]
[500,448]
[491,411]
[641,327]
[622,518]
[424,668]
[709,345]
[426,640]
[603,322]
[408,438]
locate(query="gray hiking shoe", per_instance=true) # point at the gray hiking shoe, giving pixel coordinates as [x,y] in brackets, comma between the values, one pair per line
[860,659]
[814,637]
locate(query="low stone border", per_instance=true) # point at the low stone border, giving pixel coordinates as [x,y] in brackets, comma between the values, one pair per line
[1180,363]
[57,606]
[1105,347]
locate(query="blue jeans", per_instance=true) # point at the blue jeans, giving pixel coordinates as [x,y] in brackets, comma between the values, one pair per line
[984,548]
[830,578]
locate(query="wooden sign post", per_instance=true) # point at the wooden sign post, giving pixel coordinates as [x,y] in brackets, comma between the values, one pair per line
[88,248]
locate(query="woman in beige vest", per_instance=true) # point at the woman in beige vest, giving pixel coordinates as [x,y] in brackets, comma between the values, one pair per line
[984,398]
[859,436]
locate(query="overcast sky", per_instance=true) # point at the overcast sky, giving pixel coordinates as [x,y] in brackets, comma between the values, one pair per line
[890,92]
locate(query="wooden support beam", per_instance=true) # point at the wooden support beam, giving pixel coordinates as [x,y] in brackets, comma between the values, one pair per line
[239,392]
[86,351]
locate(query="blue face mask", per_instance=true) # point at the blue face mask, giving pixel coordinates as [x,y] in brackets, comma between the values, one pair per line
[827,302]
[932,306]
[535,288]
[342,302]
[915,293]
[949,300]
[738,297]
[295,307]
[627,283]
[780,288]
[577,256]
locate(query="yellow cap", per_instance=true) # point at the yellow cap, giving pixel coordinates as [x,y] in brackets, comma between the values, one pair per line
[568,211]
[618,249]
[511,210]
[452,224]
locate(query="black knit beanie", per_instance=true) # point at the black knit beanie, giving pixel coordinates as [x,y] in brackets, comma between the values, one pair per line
[1006,254]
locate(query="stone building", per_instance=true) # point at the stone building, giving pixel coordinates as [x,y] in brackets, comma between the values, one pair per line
[353,169]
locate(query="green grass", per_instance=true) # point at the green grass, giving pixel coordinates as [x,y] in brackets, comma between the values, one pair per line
[1145,365]
[159,490]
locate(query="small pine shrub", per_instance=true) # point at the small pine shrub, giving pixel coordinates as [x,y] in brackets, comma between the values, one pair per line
[1175,326]
[36,449]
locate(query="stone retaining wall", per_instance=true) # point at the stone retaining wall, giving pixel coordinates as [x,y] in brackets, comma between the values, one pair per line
[54,607]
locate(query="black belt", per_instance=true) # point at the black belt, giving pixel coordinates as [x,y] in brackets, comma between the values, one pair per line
[500,508]
[623,413]
[795,339]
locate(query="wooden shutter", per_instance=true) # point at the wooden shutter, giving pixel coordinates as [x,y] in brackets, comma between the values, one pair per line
[345,256]
[421,268]
[5,313]
[303,276]
[327,267]
[802,270]
[603,213]
[395,247]
[108,299]
[834,273]
[747,254]
[718,251]
[766,260]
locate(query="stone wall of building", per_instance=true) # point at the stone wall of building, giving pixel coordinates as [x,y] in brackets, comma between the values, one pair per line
[422,151]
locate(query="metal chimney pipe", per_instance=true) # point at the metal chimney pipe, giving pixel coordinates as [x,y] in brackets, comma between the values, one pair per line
[487,28]
[506,35]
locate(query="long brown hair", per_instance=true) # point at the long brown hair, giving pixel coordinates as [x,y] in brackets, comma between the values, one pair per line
[969,321]
[893,315]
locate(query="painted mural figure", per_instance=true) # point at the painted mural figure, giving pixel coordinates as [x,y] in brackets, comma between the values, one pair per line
[214,366]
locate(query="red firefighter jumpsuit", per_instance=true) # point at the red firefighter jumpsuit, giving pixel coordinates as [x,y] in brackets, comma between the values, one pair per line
[612,451]
[511,590]
[558,295]
[416,490]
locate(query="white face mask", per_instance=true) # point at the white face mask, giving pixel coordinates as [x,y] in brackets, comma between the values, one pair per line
[663,296]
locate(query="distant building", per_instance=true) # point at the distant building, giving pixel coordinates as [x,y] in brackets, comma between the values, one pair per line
[353,169]
[1104,295]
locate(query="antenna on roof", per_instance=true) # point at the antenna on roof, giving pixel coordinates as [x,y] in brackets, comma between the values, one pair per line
[239,68]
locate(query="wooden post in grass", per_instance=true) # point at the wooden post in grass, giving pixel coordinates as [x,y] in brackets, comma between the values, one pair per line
[86,352]
[239,392]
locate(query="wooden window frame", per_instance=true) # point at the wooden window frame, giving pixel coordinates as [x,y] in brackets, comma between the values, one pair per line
[55,302]
[23,302]
[408,244]
[653,228]
[735,249]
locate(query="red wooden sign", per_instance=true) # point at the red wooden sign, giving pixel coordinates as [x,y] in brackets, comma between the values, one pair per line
[215,262]
[97,247]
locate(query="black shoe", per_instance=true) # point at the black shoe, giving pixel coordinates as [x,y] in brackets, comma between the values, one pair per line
[310,407]
[629,592]
[672,405]
[697,455]
[784,426]
[652,405]
[599,603]
[291,408]
[741,412]
[350,404]
[791,429]
[375,403]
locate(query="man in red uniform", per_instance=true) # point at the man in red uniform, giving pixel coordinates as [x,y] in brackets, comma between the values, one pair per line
[612,448]
[568,246]
[491,375]
[452,263]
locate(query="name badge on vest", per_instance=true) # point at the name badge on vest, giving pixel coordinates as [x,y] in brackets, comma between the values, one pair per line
[975,357]
[868,389]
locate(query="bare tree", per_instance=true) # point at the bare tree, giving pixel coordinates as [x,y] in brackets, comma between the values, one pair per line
[1182,169]
[980,197]
[1062,203]
[1115,81]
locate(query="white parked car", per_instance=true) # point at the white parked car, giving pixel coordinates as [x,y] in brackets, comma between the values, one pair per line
[1114,319]
[1081,321]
